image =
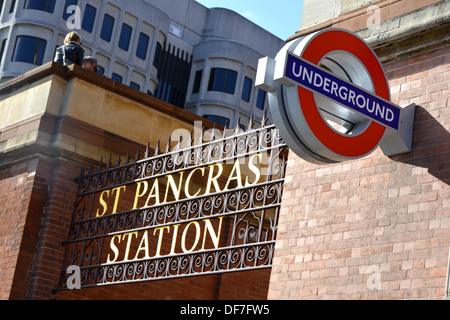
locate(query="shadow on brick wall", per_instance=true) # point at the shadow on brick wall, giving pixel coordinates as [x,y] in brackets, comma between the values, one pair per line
[431,146]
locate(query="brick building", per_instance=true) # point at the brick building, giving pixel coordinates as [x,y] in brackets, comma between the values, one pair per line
[373,228]
[378,227]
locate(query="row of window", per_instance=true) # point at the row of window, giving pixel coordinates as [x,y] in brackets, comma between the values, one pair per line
[42,5]
[107,28]
[222,121]
[31,50]
[224,80]
[28,49]
[87,24]
[11,7]
[119,78]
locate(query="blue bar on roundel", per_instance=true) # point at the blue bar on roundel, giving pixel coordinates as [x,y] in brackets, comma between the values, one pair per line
[347,94]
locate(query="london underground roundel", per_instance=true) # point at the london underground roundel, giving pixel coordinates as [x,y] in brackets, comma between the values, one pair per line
[329,97]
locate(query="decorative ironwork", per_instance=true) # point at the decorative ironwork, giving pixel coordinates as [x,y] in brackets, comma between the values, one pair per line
[229,229]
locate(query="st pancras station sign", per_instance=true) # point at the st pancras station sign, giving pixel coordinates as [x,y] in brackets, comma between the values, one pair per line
[209,205]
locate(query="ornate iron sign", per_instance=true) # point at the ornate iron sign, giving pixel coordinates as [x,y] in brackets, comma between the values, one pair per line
[208,207]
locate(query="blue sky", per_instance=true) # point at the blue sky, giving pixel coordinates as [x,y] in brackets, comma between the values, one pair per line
[282,18]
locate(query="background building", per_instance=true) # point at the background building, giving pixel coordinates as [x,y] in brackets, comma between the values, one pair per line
[196,58]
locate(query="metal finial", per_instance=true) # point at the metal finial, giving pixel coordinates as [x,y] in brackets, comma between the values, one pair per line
[251,122]
[157,149]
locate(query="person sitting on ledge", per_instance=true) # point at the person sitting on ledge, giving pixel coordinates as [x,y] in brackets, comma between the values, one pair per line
[90,63]
[71,52]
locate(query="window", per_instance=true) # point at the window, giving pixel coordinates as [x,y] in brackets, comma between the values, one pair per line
[157,53]
[1,6]
[220,120]
[29,49]
[142,47]
[117,77]
[13,6]
[222,80]
[67,15]
[101,70]
[261,99]
[197,81]
[42,5]
[107,28]
[88,18]
[2,50]
[125,37]
[134,85]
[247,90]
[164,90]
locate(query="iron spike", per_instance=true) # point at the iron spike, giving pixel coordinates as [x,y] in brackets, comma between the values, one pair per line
[191,140]
[168,145]
[147,150]
[100,164]
[137,154]
[91,166]
[118,159]
[157,148]
[128,157]
[202,134]
[108,165]
[251,122]
[264,120]
[213,132]
[179,143]
[238,125]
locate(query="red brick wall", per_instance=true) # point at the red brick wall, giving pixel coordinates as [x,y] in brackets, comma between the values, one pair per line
[58,178]
[378,227]
[36,202]
[35,205]
[245,285]
[16,183]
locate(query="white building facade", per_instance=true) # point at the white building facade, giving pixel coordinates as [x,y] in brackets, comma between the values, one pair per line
[200,59]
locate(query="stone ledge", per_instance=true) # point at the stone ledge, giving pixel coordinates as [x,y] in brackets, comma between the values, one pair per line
[397,37]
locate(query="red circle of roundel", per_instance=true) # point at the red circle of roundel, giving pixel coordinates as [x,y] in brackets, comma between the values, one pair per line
[348,146]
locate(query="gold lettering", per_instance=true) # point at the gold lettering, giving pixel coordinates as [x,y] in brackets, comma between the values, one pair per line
[187,245]
[116,201]
[188,181]
[139,195]
[197,237]
[103,203]
[144,241]
[174,238]
[154,193]
[253,168]
[238,177]
[212,179]
[114,249]
[173,186]
[214,236]
[127,250]
[161,231]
